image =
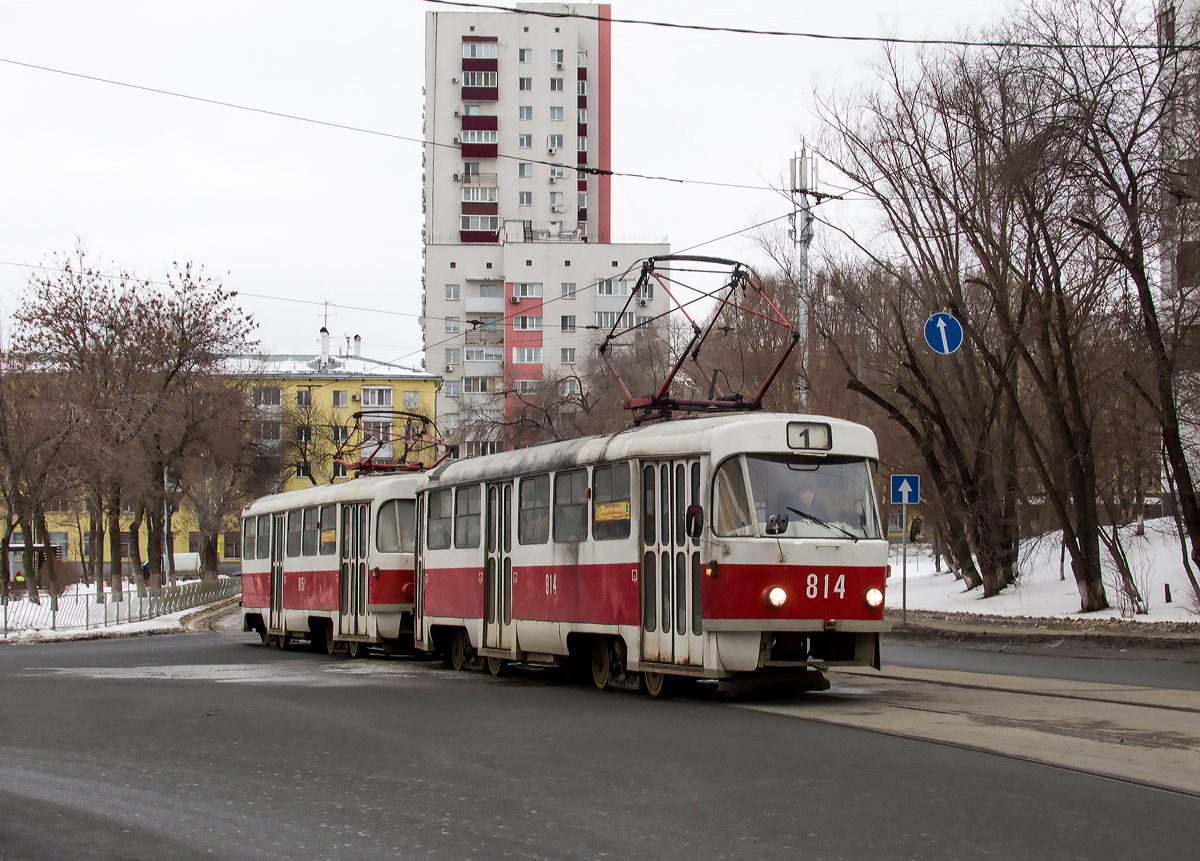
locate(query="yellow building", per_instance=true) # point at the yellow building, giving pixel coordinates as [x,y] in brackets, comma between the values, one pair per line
[306,405]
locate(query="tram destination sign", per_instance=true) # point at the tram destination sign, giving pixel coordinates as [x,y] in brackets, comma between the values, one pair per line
[810,435]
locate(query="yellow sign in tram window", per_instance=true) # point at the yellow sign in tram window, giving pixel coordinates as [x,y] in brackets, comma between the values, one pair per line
[607,511]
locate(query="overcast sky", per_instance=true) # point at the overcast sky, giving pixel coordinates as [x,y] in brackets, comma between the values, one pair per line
[293,214]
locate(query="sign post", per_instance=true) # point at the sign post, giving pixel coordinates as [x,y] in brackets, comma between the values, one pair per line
[905,489]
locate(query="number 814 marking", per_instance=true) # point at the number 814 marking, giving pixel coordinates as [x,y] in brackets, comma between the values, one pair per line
[814,586]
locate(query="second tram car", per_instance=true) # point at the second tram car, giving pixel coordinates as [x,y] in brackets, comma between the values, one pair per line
[710,547]
[333,564]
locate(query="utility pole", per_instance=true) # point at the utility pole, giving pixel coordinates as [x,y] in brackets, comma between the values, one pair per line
[803,172]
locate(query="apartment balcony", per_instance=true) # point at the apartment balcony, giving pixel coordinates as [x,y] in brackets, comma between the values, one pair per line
[553,231]
[487,337]
[478,178]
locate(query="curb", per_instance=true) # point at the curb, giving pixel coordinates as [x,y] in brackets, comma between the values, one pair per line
[1101,633]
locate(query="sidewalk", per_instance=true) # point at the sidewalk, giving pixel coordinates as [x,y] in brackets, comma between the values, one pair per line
[931,625]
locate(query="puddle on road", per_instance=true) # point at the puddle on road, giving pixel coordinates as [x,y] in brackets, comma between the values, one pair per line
[278,674]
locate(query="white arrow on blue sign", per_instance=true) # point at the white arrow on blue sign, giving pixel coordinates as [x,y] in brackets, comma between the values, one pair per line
[906,489]
[943,333]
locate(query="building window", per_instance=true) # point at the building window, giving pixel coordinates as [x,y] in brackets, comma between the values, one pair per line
[378,433]
[489,291]
[480,79]
[607,287]
[479,50]
[527,355]
[525,112]
[556,171]
[568,355]
[339,470]
[341,397]
[569,387]
[644,292]
[525,198]
[582,200]
[527,291]
[568,290]
[266,396]
[556,55]
[479,136]
[304,397]
[568,322]
[304,435]
[452,355]
[582,116]
[377,396]
[609,319]
[452,388]
[525,141]
[487,324]
[451,324]
[485,354]
[233,545]
[581,59]
[412,400]
[471,110]
[451,292]
[341,433]
[489,223]
[581,88]
[525,387]
[477,385]
[582,145]
[527,324]
[525,84]
[525,169]
[450,421]
[525,55]
[270,431]
[556,85]
[556,115]
[556,199]
[302,470]
[554,141]
[480,194]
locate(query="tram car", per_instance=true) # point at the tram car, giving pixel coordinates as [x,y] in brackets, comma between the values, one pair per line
[333,564]
[716,547]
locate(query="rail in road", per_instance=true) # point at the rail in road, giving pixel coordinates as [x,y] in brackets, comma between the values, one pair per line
[1147,736]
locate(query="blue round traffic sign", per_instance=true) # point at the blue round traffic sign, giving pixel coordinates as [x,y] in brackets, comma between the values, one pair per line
[943,333]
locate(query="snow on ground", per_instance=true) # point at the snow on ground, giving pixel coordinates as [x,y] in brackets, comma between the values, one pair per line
[1041,592]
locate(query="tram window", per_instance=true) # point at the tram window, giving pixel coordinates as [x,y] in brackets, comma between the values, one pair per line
[310,537]
[466,517]
[731,503]
[648,514]
[610,502]
[248,537]
[293,533]
[328,530]
[397,526]
[264,537]
[439,520]
[570,506]
[533,510]
[696,494]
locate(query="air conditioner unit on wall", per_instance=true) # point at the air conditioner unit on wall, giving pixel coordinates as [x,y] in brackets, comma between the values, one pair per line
[456,138]
[354,397]
[456,177]
[642,302]
[551,150]
[513,299]
[449,368]
[556,209]
[454,80]
[554,179]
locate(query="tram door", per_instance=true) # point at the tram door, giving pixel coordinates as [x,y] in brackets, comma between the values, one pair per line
[497,571]
[670,570]
[419,574]
[275,622]
[352,574]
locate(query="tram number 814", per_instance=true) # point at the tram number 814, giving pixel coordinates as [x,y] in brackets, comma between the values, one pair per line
[814,586]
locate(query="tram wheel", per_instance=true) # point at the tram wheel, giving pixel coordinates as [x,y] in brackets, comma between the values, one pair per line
[329,643]
[283,641]
[655,684]
[263,637]
[495,666]
[352,648]
[458,649]
[601,665]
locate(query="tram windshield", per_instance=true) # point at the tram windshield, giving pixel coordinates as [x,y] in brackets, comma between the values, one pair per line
[793,496]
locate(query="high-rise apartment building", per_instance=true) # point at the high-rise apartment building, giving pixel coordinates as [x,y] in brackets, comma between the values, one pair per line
[520,267]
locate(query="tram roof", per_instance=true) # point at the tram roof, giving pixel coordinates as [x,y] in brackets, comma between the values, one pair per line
[718,435]
[364,487]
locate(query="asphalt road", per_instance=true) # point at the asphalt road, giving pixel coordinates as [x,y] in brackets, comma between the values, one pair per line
[204,745]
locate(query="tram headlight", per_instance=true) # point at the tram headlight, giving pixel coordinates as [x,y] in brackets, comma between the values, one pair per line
[776,596]
[874,597]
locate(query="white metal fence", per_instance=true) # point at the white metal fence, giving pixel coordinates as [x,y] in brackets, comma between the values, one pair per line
[79,608]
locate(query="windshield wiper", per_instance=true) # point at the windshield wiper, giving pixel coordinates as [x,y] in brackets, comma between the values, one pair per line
[824,523]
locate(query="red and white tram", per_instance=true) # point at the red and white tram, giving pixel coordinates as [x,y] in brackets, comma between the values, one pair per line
[709,547]
[333,564]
